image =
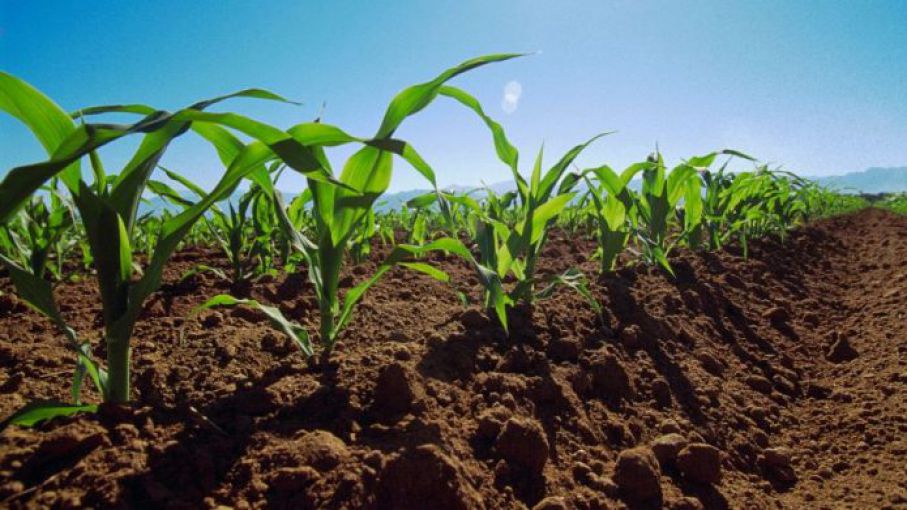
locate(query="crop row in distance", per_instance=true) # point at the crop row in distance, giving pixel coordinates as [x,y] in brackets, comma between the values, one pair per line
[51,213]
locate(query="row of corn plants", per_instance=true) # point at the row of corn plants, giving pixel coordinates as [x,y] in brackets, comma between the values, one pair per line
[72,211]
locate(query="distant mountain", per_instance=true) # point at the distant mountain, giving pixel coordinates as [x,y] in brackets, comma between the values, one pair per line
[871,180]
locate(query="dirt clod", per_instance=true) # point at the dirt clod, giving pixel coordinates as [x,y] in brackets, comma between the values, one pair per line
[425,477]
[609,377]
[636,474]
[667,447]
[522,442]
[700,462]
[398,390]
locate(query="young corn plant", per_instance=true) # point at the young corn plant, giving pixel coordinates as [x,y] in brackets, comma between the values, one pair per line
[360,244]
[612,202]
[339,208]
[107,211]
[244,231]
[41,234]
[513,247]
[509,239]
[655,206]
[896,202]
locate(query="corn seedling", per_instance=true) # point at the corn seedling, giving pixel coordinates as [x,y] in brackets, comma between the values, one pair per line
[340,211]
[510,241]
[107,211]
[40,235]
[612,201]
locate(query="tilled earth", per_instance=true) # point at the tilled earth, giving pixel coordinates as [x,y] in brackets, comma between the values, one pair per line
[773,381]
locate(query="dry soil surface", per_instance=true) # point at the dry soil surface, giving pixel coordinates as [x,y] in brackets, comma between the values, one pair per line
[773,381]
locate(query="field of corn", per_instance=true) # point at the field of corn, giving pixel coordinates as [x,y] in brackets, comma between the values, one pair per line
[678,336]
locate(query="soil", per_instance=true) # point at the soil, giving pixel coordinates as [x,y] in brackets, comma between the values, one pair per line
[773,381]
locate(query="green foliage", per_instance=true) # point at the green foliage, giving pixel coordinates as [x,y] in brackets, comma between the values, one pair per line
[612,205]
[52,215]
[40,411]
[341,213]
[895,202]
[293,330]
[511,230]
[107,211]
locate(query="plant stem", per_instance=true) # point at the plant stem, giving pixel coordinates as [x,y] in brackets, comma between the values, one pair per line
[118,362]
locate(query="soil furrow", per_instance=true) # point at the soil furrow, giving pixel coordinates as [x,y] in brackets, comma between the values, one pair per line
[775,380]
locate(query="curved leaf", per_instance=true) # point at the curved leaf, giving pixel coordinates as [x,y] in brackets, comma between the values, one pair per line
[39,411]
[293,330]
[417,97]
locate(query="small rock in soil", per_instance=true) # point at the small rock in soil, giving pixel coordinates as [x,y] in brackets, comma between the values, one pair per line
[490,422]
[522,442]
[70,440]
[759,383]
[776,462]
[686,503]
[213,320]
[473,319]
[227,351]
[564,349]
[636,474]
[275,344]
[700,462]
[669,427]
[8,303]
[609,377]
[292,479]
[662,393]
[667,447]
[778,456]
[321,449]
[817,390]
[255,402]
[710,363]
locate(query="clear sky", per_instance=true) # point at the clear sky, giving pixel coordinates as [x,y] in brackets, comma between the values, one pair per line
[820,87]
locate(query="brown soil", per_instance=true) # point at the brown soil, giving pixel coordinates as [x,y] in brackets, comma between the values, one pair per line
[769,382]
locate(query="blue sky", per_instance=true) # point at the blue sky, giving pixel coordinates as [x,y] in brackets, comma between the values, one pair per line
[820,87]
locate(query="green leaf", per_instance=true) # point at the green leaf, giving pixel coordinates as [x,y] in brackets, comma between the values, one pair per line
[49,123]
[417,97]
[161,127]
[506,152]
[422,201]
[39,411]
[204,268]
[368,171]
[164,191]
[397,257]
[293,330]
[191,186]
[428,269]
[608,178]
[555,172]
[37,293]
[45,119]
[676,182]
[575,280]
[547,212]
